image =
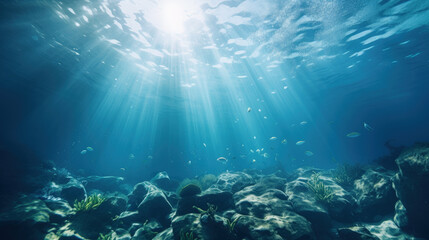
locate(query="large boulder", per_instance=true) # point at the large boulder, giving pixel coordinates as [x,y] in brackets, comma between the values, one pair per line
[263,185]
[272,202]
[127,218]
[233,182]
[60,210]
[29,219]
[221,199]
[104,184]
[99,219]
[193,224]
[163,181]
[73,191]
[156,206]
[305,204]
[139,193]
[411,185]
[113,206]
[388,230]
[375,195]
[289,226]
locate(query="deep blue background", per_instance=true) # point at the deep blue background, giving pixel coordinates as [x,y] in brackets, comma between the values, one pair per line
[51,109]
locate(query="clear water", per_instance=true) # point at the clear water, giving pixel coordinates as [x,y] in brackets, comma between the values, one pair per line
[158,85]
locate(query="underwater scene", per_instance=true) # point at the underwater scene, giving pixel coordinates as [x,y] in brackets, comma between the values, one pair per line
[214,119]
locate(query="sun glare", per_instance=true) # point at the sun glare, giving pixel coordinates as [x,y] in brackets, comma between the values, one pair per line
[173,17]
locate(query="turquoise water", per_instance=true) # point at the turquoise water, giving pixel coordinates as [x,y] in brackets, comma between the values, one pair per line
[175,85]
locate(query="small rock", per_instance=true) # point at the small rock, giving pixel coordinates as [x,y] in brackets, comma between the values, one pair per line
[356,233]
[400,217]
[121,234]
[144,233]
[167,234]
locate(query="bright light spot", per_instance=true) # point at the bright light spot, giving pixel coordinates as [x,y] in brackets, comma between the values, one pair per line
[173,17]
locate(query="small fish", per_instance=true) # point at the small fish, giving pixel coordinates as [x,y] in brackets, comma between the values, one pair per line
[284,141]
[90,149]
[251,150]
[149,157]
[300,143]
[249,109]
[204,145]
[123,169]
[189,162]
[266,155]
[131,156]
[222,160]
[83,152]
[258,150]
[367,127]
[309,153]
[303,123]
[353,135]
[254,137]
[254,160]
[259,110]
[273,138]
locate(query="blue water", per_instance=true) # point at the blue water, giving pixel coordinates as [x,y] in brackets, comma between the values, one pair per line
[155,85]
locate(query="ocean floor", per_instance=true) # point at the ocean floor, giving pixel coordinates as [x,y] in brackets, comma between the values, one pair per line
[379,201]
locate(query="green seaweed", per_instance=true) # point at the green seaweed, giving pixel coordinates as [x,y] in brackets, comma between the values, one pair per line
[90,203]
[105,237]
[322,193]
[187,236]
[211,210]
[346,174]
[231,225]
